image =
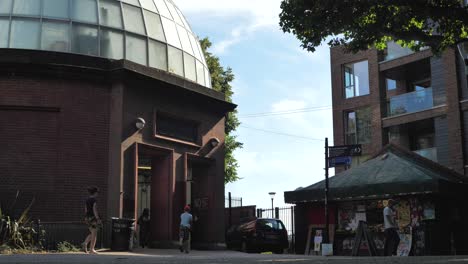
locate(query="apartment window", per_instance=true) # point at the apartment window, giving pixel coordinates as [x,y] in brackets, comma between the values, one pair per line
[391,84]
[178,128]
[358,126]
[356,79]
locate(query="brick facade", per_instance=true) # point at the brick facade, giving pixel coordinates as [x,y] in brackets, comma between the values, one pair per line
[449,86]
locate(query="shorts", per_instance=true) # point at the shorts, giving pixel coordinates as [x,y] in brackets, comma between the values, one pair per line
[184,233]
[92,222]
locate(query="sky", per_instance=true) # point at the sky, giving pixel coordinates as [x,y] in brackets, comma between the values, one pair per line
[273,75]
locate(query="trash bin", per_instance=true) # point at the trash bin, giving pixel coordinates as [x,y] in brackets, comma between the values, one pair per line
[122,233]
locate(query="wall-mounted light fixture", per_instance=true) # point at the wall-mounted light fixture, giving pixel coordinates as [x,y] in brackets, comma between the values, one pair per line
[214,142]
[140,123]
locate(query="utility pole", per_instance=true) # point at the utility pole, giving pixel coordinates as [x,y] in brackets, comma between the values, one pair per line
[327,224]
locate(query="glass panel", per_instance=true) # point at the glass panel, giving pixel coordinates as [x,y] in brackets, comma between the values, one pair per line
[27,7]
[361,78]
[154,26]
[56,8]
[176,65]
[200,73]
[85,40]
[158,55]
[207,77]
[174,14]
[171,32]
[55,36]
[162,8]
[148,4]
[184,39]
[133,2]
[186,24]
[110,13]
[136,49]
[394,51]
[351,128]
[195,45]
[112,44]
[133,19]
[364,126]
[189,66]
[24,34]
[391,84]
[411,102]
[84,10]
[4,26]
[429,153]
[5,6]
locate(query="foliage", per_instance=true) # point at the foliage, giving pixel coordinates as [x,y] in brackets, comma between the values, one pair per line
[18,234]
[358,25]
[66,246]
[221,79]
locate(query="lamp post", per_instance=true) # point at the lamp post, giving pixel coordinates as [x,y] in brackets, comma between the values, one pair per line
[272,195]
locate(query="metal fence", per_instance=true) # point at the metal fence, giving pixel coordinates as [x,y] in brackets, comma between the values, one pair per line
[72,232]
[235,201]
[286,215]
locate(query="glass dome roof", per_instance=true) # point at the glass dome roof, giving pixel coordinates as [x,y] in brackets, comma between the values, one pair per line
[149,32]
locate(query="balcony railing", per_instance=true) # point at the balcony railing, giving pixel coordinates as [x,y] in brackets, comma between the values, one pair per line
[429,153]
[411,102]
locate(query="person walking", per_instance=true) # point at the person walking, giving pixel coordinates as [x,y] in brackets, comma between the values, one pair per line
[392,239]
[92,220]
[184,231]
[144,227]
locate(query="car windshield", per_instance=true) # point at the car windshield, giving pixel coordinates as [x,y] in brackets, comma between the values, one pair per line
[269,224]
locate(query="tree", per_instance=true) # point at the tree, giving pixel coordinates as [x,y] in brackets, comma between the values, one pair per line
[221,81]
[358,25]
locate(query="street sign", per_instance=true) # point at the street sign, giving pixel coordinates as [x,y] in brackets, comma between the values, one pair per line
[336,161]
[344,151]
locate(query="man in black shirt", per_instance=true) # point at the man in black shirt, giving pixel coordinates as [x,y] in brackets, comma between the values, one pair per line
[92,220]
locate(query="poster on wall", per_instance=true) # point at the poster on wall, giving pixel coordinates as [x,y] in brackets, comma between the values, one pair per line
[406,240]
[317,240]
[403,212]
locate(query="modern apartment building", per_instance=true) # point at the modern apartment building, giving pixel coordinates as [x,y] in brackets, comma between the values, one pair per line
[413,99]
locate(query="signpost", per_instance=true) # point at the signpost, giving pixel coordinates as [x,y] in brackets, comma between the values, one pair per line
[336,156]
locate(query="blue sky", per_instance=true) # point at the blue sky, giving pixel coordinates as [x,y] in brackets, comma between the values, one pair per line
[273,74]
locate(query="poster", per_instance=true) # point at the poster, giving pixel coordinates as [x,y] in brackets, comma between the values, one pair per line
[403,212]
[406,240]
[317,240]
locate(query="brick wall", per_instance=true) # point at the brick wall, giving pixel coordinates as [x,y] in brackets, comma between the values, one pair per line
[54,144]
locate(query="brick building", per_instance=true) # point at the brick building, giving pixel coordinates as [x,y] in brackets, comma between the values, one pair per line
[415,100]
[77,79]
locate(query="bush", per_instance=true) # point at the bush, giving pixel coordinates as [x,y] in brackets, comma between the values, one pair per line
[66,246]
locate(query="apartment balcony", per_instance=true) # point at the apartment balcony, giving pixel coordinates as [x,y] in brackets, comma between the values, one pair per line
[410,102]
[429,153]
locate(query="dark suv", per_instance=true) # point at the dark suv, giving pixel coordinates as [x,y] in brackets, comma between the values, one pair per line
[258,235]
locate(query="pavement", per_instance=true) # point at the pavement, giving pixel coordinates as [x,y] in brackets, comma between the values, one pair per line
[152,256]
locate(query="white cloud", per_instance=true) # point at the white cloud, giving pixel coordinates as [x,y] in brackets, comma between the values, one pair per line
[251,15]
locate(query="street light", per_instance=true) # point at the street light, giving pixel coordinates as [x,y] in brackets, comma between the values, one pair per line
[272,195]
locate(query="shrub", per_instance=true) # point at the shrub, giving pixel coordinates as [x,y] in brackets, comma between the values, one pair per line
[66,246]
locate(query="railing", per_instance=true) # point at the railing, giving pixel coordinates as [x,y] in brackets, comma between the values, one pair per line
[411,102]
[429,153]
[235,202]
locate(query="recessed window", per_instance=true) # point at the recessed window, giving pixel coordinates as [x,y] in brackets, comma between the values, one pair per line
[356,79]
[358,125]
[391,84]
[178,128]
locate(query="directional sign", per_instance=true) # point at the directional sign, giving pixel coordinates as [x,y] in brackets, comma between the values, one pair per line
[344,151]
[333,162]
